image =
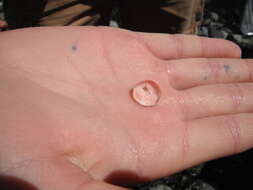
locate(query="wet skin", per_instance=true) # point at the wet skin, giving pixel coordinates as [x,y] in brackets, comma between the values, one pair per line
[68,121]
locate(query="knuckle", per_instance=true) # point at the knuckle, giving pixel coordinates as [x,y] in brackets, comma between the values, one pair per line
[182,100]
[178,42]
[234,133]
[171,73]
[236,95]
[213,69]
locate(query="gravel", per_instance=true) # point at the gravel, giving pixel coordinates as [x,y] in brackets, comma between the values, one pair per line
[223,19]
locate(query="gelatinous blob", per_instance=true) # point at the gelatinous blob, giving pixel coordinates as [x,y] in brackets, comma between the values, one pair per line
[146,93]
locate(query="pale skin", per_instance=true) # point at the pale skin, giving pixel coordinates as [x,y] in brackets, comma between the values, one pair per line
[67,120]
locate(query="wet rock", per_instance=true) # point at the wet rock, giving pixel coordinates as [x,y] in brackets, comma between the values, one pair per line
[243,41]
[161,187]
[207,187]
[207,21]
[216,24]
[237,37]
[114,23]
[214,16]
[218,33]
[200,185]
[204,31]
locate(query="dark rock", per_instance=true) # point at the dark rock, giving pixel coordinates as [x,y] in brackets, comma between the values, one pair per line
[200,185]
[218,33]
[244,41]
[204,31]
[207,187]
[214,16]
[225,34]
[161,187]
[216,24]
[207,21]
[196,170]
[238,38]
[229,31]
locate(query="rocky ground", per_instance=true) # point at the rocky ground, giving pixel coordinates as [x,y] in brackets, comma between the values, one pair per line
[222,20]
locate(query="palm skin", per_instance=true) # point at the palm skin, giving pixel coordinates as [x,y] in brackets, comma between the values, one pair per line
[68,120]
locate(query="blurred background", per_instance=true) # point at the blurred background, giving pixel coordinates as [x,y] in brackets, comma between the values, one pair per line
[1,10]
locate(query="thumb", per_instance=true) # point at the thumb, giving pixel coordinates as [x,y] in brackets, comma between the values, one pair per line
[51,175]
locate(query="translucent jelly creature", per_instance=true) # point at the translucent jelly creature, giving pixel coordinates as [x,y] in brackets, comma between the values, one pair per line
[146,93]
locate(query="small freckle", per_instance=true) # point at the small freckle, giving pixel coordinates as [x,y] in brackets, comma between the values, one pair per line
[205,78]
[226,67]
[74,48]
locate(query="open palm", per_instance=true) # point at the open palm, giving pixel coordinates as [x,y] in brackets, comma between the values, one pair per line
[68,119]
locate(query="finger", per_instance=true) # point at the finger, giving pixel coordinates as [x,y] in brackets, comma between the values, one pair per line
[200,141]
[215,137]
[63,175]
[187,73]
[187,46]
[212,100]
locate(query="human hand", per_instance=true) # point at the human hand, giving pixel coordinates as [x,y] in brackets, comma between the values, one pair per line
[68,121]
